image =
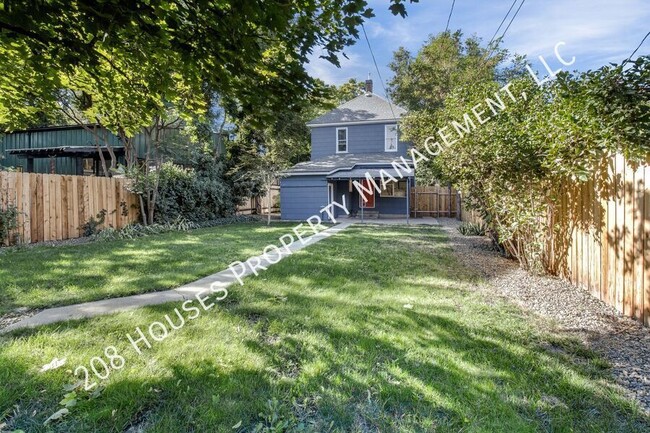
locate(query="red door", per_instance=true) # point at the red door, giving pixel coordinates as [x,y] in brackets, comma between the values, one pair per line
[370,197]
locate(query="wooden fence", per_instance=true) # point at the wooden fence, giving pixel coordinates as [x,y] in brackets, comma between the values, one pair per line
[603,241]
[259,205]
[434,201]
[468,215]
[54,207]
[600,236]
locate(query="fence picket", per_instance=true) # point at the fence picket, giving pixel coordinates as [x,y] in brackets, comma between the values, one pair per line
[53,207]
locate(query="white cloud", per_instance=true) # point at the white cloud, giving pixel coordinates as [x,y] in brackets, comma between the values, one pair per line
[323,69]
[594,30]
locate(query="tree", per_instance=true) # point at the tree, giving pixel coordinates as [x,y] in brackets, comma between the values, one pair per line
[445,62]
[252,53]
[514,168]
[347,91]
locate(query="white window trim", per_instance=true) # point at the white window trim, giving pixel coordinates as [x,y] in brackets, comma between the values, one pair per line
[347,140]
[386,138]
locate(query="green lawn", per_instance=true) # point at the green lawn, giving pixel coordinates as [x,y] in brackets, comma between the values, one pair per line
[50,276]
[322,342]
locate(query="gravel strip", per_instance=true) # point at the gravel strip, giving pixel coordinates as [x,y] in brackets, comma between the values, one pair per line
[623,342]
[16,316]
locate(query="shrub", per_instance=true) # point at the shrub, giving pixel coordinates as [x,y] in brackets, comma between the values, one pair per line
[91,226]
[133,231]
[514,168]
[194,194]
[8,222]
[472,229]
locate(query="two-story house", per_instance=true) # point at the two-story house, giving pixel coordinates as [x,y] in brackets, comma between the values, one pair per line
[354,140]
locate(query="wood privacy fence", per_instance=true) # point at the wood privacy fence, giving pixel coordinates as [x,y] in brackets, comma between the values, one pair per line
[602,236]
[54,207]
[259,205]
[434,201]
[468,215]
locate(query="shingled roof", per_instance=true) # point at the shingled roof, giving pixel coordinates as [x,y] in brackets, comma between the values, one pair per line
[366,108]
[333,163]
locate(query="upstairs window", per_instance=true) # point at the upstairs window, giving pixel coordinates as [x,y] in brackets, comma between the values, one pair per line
[390,138]
[341,140]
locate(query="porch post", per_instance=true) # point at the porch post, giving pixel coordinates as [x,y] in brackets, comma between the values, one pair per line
[408,197]
[362,203]
[79,171]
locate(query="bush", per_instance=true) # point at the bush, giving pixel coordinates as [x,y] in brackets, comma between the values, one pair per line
[515,168]
[472,229]
[8,222]
[91,226]
[194,194]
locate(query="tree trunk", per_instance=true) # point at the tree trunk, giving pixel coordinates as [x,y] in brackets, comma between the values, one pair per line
[101,156]
[268,211]
[142,212]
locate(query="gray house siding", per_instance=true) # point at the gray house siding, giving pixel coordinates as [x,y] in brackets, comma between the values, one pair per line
[361,139]
[302,196]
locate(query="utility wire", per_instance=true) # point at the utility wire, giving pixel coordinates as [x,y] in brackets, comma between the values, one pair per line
[381,80]
[502,21]
[513,18]
[450,12]
[637,48]
[491,49]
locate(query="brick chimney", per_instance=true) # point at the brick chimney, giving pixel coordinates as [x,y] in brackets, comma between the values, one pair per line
[368,86]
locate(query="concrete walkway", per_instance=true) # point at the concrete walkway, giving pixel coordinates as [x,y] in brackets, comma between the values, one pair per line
[219,280]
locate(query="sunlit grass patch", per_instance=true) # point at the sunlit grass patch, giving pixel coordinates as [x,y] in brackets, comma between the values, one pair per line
[366,331]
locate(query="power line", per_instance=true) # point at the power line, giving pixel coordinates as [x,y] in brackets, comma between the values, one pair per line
[637,48]
[450,12]
[381,80]
[502,21]
[513,18]
[491,49]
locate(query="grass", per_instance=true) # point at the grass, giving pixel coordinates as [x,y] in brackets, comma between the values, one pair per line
[45,276]
[371,330]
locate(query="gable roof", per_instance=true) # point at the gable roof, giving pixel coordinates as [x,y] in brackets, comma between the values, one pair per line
[367,108]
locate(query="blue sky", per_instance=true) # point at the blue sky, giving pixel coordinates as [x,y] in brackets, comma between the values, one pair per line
[596,32]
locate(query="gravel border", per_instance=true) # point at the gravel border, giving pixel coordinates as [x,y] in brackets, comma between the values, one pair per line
[623,342]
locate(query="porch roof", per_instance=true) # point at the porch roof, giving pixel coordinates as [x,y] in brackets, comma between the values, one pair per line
[345,161]
[375,173]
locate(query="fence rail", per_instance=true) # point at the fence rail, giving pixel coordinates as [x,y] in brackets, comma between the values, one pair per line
[54,207]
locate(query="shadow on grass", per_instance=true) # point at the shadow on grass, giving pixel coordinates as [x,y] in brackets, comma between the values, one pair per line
[323,342]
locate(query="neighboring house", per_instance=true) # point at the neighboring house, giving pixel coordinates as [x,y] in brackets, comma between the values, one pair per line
[70,149]
[358,137]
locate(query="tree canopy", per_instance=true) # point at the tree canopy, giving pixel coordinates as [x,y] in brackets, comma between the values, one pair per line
[445,62]
[135,55]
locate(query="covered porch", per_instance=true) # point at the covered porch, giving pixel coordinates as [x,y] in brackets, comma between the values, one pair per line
[392,202]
